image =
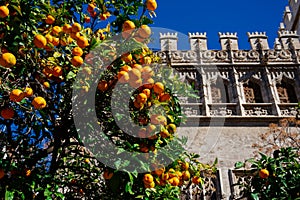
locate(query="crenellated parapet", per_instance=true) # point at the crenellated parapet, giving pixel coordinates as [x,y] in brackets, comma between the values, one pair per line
[258,40]
[286,49]
[168,41]
[198,41]
[228,41]
[289,39]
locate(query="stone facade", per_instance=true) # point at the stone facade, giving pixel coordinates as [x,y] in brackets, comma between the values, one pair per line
[240,91]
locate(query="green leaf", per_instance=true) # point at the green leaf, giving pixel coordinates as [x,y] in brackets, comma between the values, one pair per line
[239,165]
[254,196]
[9,195]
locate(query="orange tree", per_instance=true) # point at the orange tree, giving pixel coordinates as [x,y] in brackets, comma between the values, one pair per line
[61,64]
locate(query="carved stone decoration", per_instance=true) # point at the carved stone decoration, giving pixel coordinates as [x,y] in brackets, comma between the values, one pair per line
[190,55]
[256,111]
[292,111]
[253,54]
[240,55]
[249,95]
[222,55]
[216,95]
[222,111]
[208,55]
[285,54]
[283,95]
[177,55]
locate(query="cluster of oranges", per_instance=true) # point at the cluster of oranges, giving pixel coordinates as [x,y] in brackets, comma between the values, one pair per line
[92,10]
[177,176]
[129,29]
[63,35]
[17,95]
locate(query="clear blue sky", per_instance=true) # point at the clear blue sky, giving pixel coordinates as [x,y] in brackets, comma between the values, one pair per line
[222,16]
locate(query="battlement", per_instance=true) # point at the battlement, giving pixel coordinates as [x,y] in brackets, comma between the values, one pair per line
[257,34]
[227,35]
[229,41]
[168,35]
[197,35]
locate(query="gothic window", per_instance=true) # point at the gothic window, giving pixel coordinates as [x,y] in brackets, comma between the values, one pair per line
[219,93]
[252,93]
[286,93]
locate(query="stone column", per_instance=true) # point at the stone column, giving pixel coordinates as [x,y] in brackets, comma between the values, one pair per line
[238,95]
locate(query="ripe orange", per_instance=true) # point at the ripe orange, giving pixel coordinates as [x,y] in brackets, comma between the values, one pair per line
[186,175]
[16,95]
[28,92]
[123,77]
[39,41]
[171,128]
[151,5]
[82,42]
[4,11]
[2,173]
[138,105]
[158,88]
[7,113]
[87,19]
[46,84]
[105,15]
[151,128]
[147,92]
[141,98]
[8,60]
[197,180]
[77,61]
[128,25]
[174,181]
[50,19]
[159,171]
[147,72]
[91,7]
[263,173]
[49,38]
[57,71]
[164,133]
[144,31]
[137,66]
[77,51]
[75,35]
[134,74]
[39,102]
[158,119]
[27,172]
[148,178]
[164,97]
[56,30]
[67,28]
[150,185]
[147,60]
[148,83]
[76,27]
[102,85]
[126,68]
[55,41]
[142,133]
[107,174]
[127,57]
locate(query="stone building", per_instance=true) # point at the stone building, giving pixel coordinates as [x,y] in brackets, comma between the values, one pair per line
[240,91]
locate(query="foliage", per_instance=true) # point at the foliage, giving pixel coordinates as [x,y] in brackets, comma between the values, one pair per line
[275,177]
[61,61]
